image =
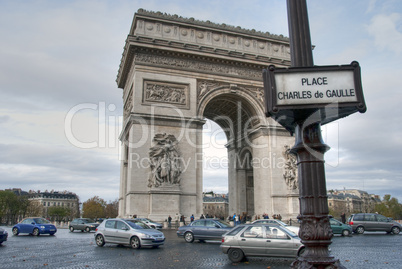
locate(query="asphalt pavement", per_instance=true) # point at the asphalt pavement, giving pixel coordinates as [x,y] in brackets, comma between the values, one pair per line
[78,250]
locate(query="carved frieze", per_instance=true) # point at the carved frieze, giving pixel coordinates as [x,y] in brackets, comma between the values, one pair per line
[290,169]
[157,92]
[165,161]
[197,66]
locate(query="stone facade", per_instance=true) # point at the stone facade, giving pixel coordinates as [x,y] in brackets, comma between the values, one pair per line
[215,206]
[54,198]
[352,201]
[177,72]
[41,201]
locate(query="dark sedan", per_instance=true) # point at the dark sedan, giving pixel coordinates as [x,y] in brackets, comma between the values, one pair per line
[83,224]
[3,235]
[203,229]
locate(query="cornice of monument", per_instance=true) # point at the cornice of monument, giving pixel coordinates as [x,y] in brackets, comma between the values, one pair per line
[222,26]
[178,35]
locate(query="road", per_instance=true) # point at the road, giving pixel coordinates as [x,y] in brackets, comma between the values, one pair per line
[78,250]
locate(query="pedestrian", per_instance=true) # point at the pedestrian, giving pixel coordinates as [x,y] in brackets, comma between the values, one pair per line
[192,218]
[237,220]
[202,216]
[170,221]
[343,217]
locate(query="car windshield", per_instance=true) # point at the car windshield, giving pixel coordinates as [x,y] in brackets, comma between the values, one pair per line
[281,223]
[41,221]
[289,232]
[223,223]
[138,225]
[87,220]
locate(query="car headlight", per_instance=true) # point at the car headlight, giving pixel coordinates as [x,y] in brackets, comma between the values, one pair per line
[147,236]
[42,227]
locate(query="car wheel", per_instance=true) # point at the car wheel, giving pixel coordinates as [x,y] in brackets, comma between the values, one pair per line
[15,231]
[135,242]
[301,251]
[35,232]
[100,241]
[360,230]
[236,255]
[189,237]
[71,229]
[345,233]
[395,230]
[87,229]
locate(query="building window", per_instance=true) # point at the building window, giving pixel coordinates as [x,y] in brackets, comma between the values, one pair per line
[44,203]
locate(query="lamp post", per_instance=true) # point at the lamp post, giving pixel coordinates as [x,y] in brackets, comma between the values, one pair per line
[315,230]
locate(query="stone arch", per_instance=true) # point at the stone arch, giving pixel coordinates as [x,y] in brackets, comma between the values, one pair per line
[172,80]
[223,106]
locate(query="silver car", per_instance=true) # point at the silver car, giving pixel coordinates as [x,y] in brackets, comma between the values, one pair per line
[128,232]
[294,229]
[267,240]
[150,223]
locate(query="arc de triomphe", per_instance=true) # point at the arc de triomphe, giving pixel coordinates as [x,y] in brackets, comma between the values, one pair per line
[175,73]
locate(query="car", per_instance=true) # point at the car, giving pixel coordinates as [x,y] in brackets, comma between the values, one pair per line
[340,228]
[83,224]
[362,222]
[34,226]
[3,235]
[128,232]
[203,229]
[258,239]
[294,229]
[150,223]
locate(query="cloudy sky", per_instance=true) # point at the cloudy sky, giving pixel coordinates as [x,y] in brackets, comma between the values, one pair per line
[60,107]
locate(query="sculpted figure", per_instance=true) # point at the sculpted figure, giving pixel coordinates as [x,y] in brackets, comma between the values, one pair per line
[290,173]
[165,161]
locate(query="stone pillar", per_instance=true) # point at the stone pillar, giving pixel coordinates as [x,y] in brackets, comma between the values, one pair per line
[232,182]
[262,176]
[241,191]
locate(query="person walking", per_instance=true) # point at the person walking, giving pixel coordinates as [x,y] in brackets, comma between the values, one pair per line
[170,221]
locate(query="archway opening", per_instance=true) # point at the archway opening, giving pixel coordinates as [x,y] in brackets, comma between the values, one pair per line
[215,171]
[227,154]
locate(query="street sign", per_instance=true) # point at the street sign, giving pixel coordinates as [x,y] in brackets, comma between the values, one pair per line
[292,94]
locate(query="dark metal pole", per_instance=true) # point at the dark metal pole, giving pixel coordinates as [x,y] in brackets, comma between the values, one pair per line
[315,230]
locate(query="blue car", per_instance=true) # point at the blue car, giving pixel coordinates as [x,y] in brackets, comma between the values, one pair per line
[34,226]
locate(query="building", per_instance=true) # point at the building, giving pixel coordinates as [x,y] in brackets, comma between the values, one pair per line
[216,205]
[351,201]
[42,201]
[50,199]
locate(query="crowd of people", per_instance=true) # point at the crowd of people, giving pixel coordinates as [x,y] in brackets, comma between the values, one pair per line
[236,218]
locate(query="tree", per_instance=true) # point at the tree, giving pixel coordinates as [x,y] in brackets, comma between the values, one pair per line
[112,209]
[389,207]
[12,207]
[94,208]
[58,213]
[35,208]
